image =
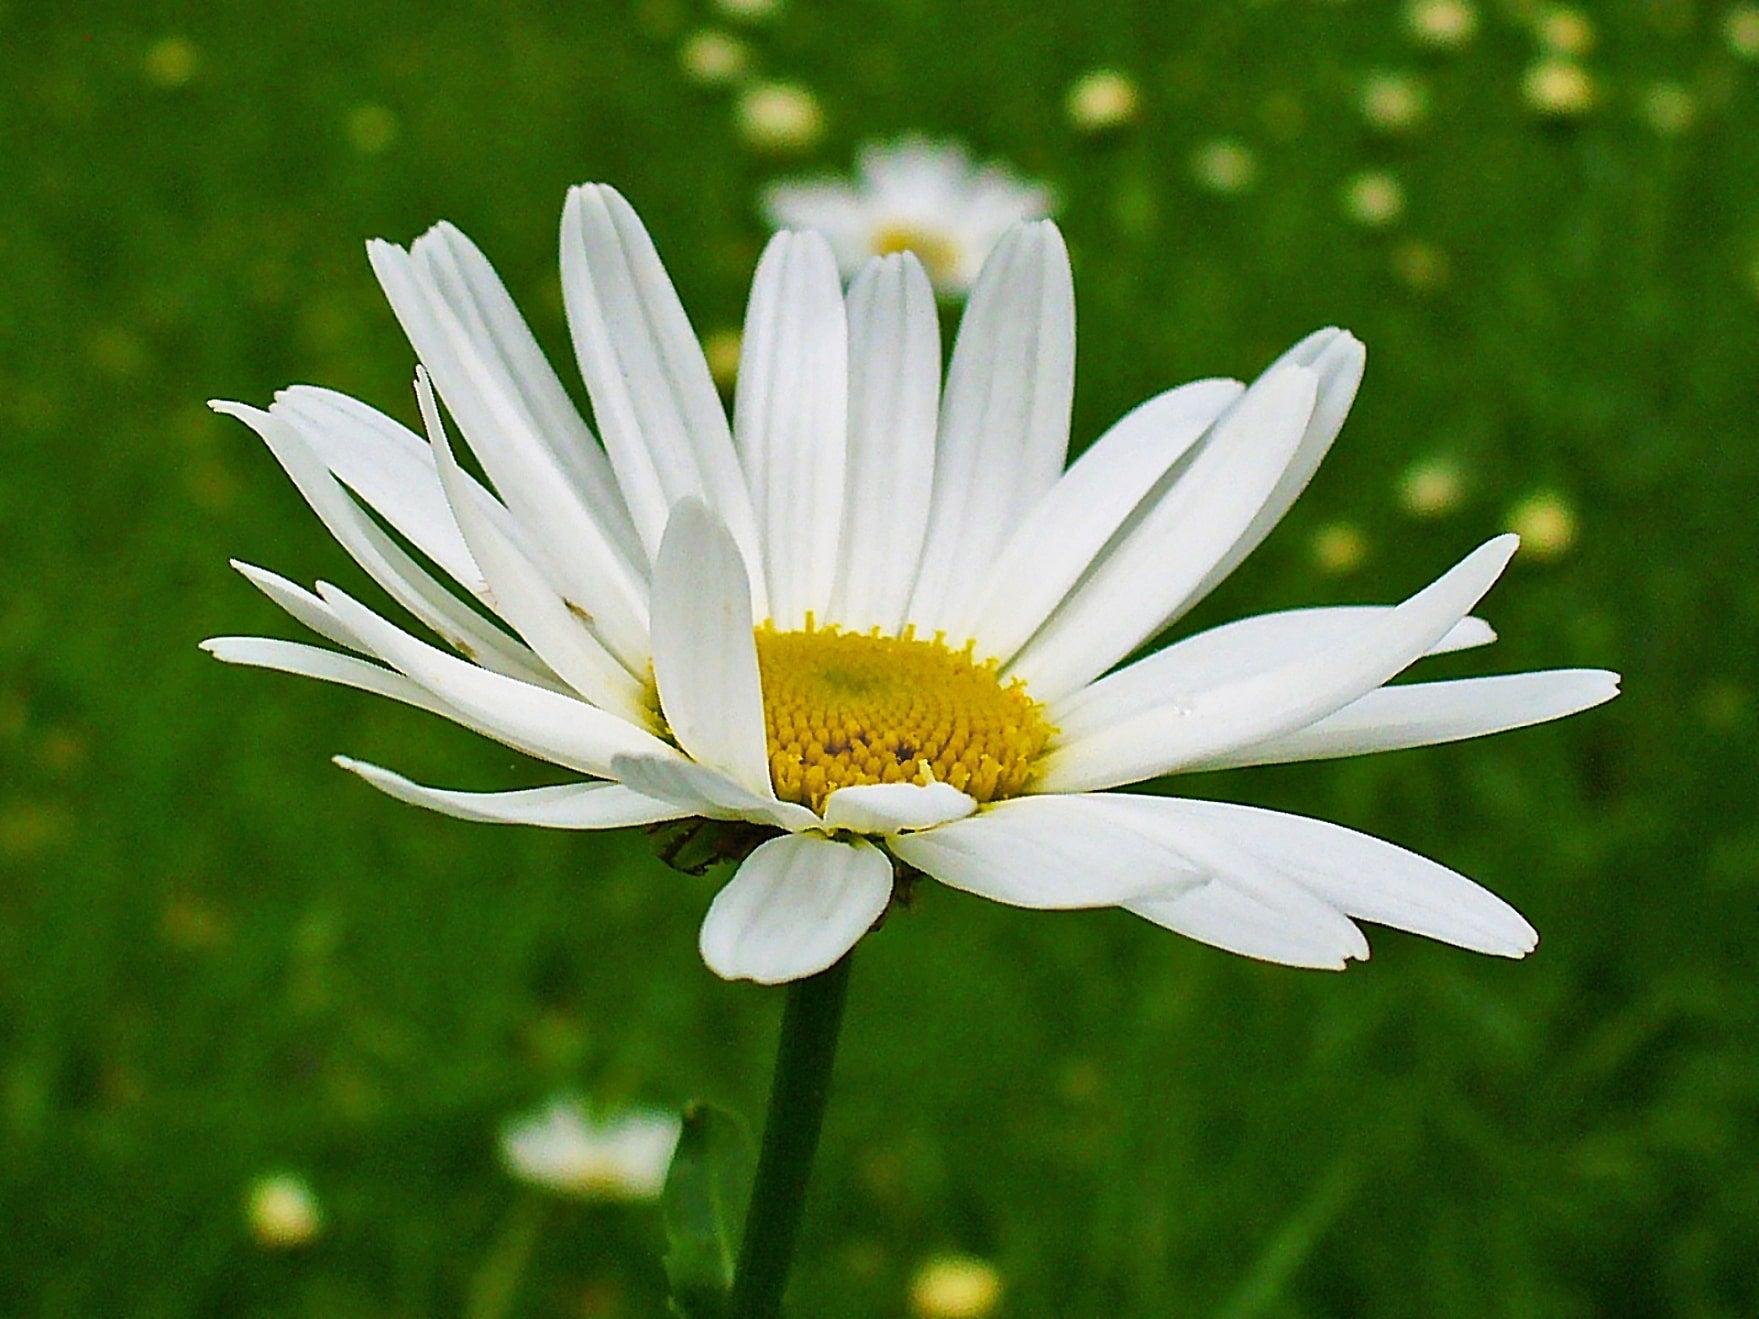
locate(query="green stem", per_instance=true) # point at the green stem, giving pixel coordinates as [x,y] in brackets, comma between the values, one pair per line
[790,1138]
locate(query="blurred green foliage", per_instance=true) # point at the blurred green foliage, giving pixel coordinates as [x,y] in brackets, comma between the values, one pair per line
[220,957]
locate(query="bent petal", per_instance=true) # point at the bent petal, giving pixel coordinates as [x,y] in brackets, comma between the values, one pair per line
[1052,853]
[1353,873]
[1067,529]
[886,808]
[1260,644]
[521,595]
[561,729]
[1150,569]
[1258,924]
[388,468]
[543,461]
[386,562]
[563,806]
[1337,357]
[1220,719]
[300,604]
[796,905]
[705,656]
[1428,713]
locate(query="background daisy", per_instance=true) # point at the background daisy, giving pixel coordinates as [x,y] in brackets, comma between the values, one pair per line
[912,195]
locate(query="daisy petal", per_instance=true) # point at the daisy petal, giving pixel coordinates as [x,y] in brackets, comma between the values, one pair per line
[533,719]
[301,604]
[556,483]
[564,806]
[1364,877]
[1005,416]
[1427,713]
[886,808]
[1069,527]
[796,905]
[1136,587]
[406,581]
[1254,925]
[389,468]
[1047,852]
[1216,720]
[1283,911]
[705,656]
[461,281]
[894,396]
[327,666]
[790,419]
[1260,644]
[707,792]
[652,394]
[1337,357]
[519,593]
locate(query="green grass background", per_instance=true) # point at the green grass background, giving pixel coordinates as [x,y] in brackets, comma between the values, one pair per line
[220,956]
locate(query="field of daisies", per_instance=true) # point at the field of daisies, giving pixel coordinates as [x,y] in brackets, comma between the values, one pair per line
[281,1039]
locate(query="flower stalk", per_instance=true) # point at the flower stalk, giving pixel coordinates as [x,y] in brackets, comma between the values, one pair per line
[811,1023]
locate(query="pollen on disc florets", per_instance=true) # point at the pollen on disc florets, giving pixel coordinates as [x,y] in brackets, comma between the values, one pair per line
[845,708]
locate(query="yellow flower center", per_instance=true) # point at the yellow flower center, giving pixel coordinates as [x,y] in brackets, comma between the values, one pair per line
[938,253]
[843,708]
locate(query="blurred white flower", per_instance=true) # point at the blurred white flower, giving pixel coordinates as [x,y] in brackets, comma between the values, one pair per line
[1394,103]
[282,1212]
[1546,524]
[955,1287]
[1432,487]
[779,117]
[1557,88]
[1565,31]
[1442,24]
[1339,548]
[171,62]
[912,195]
[1224,166]
[1374,199]
[564,1148]
[1420,265]
[1669,108]
[714,58]
[1741,30]
[1100,100]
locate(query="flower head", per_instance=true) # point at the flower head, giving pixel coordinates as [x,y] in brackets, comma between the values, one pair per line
[564,1148]
[873,618]
[912,195]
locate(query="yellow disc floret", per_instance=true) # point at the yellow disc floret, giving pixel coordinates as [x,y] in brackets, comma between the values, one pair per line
[843,708]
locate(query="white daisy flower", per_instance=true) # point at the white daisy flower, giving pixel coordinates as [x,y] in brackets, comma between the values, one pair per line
[912,196]
[875,618]
[564,1148]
